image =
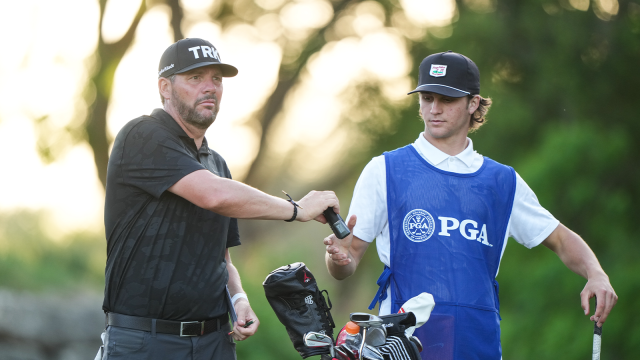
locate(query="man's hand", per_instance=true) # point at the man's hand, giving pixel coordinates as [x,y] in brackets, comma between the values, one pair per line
[600,287]
[338,249]
[314,203]
[245,314]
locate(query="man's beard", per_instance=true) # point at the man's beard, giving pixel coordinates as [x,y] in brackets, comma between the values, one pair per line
[191,116]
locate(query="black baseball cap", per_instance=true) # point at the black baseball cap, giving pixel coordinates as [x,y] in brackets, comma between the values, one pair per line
[449,74]
[191,53]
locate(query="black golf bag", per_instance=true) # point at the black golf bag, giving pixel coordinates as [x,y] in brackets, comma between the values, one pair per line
[293,294]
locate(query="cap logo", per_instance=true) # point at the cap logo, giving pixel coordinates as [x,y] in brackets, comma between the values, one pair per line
[207,51]
[438,70]
[165,69]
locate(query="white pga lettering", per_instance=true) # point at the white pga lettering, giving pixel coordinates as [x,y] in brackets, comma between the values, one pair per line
[469,233]
[207,51]
[419,226]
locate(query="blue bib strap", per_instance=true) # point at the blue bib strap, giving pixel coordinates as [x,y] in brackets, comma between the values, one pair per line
[383,282]
[496,287]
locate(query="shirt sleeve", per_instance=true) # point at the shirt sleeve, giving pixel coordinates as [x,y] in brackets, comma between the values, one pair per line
[233,235]
[369,202]
[154,159]
[530,223]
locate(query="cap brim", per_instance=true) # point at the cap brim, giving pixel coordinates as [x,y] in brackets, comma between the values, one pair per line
[440,89]
[227,70]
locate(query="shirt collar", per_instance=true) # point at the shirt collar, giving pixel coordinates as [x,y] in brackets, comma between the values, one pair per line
[435,156]
[166,119]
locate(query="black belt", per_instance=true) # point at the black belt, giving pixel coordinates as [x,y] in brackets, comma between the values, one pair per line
[182,328]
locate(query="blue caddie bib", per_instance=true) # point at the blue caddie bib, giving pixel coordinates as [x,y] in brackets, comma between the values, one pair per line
[447,234]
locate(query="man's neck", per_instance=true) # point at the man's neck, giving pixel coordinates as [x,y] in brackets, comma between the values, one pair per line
[193,132]
[451,146]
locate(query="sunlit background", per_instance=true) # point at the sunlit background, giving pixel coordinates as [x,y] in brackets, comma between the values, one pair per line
[45,65]
[562,74]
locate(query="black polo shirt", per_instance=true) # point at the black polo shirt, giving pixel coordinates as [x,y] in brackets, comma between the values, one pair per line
[165,255]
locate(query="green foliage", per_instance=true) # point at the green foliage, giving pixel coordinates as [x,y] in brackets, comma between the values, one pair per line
[564,84]
[31,260]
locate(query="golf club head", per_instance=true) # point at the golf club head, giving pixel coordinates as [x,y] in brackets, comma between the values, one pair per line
[365,320]
[416,341]
[341,354]
[371,353]
[351,351]
[315,339]
[376,336]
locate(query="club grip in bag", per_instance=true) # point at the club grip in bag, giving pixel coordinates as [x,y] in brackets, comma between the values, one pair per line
[338,226]
[597,336]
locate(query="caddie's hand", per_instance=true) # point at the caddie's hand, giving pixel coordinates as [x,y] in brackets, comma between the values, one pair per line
[600,287]
[338,249]
[245,314]
[314,203]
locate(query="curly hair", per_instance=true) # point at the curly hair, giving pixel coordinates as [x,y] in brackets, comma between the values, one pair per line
[478,119]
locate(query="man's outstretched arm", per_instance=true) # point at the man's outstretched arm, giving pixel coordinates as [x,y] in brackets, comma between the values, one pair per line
[234,199]
[577,256]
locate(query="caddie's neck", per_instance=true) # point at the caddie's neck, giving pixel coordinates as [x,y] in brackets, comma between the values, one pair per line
[450,146]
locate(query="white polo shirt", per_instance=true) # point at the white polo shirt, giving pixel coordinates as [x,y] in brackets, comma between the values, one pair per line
[529,224]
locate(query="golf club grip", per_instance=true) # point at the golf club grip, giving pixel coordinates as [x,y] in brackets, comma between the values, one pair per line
[597,337]
[338,226]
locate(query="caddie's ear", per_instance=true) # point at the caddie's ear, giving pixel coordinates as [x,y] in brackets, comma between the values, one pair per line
[164,87]
[473,104]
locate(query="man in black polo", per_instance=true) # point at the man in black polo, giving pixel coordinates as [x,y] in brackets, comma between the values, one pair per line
[170,217]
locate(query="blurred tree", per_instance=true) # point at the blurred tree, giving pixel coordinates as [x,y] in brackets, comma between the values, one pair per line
[98,91]
[100,86]
[260,173]
[563,79]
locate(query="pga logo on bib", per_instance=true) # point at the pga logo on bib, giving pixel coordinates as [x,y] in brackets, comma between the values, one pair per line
[419,226]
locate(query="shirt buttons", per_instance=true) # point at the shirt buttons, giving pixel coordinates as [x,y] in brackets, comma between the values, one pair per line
[451,159]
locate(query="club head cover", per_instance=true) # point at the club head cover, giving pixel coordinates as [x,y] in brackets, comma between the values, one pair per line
[421,306]
[294,296]
[397,324]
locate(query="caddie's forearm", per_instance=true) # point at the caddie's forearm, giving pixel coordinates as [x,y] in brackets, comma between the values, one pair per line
[574,252]
[340,272]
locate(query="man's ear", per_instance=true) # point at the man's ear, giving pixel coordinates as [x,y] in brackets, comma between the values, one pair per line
[473,104]
[164,87]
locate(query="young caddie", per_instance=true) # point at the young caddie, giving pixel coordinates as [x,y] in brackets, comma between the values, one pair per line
[442,213]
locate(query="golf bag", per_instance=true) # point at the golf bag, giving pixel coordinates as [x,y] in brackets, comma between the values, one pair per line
[293,294]
[398,346]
